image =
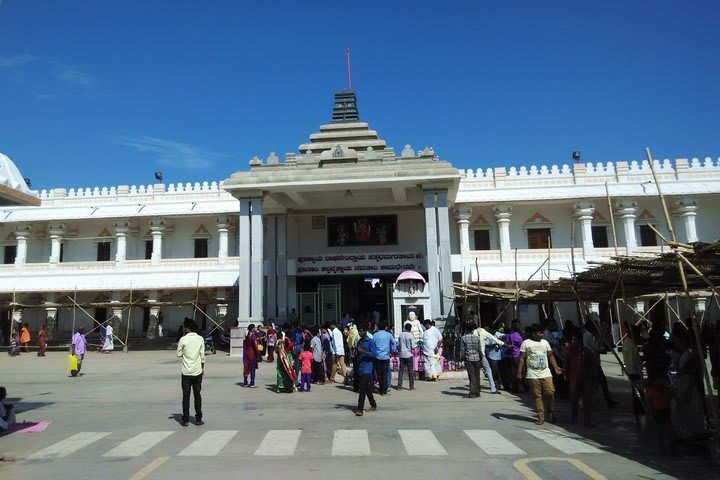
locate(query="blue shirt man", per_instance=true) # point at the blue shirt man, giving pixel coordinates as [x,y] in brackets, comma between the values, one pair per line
[384,344]
[366,352]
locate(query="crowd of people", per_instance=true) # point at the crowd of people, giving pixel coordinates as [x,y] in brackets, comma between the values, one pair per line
[663,368]
[540,360]
[362,355]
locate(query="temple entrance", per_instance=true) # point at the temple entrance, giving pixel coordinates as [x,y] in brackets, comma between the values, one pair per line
[325,299]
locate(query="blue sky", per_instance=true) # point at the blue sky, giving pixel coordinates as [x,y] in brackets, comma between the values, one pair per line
[96,93]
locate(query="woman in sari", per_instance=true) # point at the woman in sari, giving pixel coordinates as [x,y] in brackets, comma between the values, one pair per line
[285,372]
[687,413]
[41,341]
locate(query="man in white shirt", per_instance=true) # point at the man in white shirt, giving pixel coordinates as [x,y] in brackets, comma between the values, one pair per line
[432,343]
[191,349]
[487,337]
[338,349]
[537,355]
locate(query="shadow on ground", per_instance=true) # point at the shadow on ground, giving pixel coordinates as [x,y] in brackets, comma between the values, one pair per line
[615,431]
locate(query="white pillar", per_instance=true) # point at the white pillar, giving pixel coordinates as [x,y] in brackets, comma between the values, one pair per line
[463,215]
[686,209]
[56,236]
[281,267]
[447,292]
[21,234]
[121,231]
[584,212]
[502,215]
[157,227]
[699,305]
[431,242]
[223,226]
[17,319]
[271,254]
[626,210]
[244,260]
[257,260]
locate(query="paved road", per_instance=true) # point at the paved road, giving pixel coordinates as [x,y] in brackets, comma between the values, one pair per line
[120,421]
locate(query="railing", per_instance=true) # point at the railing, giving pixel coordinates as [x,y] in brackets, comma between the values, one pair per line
[164,264]
[590,173]
[535,256]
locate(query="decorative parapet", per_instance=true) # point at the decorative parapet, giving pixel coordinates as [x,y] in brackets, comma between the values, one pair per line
[590,173]
[123,190]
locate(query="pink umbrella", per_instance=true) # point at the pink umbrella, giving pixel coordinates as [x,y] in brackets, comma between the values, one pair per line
[410,275]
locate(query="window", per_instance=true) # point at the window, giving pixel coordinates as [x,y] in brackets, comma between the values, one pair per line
[647,236]
[600,237]
[103,251]
[148,249]
[201,248]
[10,253]
[539,238]
[62,252]
[482,239]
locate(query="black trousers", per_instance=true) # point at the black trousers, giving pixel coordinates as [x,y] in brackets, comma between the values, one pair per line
[406,364]
[497,374]
[473,371]
[318,371]
[365,383]
[381,366]
[356,375]
[187,382]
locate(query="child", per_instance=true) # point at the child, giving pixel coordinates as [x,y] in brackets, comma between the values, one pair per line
[14,349]
[306,358]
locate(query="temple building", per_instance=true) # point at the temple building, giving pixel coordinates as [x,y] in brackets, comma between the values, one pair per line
[326,231]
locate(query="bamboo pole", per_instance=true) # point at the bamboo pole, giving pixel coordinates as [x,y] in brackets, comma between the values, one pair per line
[127,331]
[74,300]
[517,288]
[612,219]
[197,294]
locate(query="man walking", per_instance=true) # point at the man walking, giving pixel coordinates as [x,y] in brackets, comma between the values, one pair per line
[486,337]
[384,344]
[405,346]
[366,352]
[191,349]
[471,354]
[537,354]
[79,347]
[338,350]
[318,372]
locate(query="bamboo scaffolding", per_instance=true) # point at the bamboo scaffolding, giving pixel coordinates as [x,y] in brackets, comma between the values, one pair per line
[681,261]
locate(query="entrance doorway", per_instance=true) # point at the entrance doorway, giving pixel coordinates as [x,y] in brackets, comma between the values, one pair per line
[324,299]
[320,307]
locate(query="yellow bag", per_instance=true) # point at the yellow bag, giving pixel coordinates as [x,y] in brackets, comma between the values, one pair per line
[260,348]
[72,363]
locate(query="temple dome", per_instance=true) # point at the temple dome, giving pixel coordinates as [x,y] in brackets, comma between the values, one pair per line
[11,177]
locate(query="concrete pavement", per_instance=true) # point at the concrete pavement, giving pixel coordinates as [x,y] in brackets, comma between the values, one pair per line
[120,420]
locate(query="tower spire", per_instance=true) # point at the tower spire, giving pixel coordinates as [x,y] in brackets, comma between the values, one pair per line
[349,72]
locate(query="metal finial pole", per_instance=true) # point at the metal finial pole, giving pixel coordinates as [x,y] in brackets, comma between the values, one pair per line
[349,72]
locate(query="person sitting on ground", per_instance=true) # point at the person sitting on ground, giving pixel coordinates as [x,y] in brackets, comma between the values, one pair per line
[7,412]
